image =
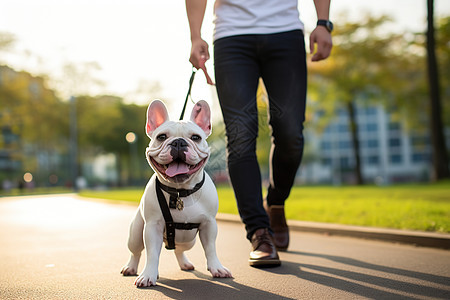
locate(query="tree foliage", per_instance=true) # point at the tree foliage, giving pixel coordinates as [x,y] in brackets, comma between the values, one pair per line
[33,120]
[371,65]
[6,41]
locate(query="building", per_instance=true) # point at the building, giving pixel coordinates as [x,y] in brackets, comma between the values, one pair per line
[389,152]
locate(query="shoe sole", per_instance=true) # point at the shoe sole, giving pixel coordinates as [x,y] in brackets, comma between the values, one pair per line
[284,249]
[264,263]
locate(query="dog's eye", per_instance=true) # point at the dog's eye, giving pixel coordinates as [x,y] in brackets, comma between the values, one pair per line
[196,138]
[162,137]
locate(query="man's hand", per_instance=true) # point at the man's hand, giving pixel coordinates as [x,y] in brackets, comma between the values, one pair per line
[199,56]
[199,53]
[322,38]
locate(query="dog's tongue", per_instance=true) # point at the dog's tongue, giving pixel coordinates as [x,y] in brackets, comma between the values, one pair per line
[177,168]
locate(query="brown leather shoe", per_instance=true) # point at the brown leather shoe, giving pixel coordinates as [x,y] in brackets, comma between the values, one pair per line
[264,253]
[279,226]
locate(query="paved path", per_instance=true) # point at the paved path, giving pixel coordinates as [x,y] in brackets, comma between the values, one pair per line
[60,247]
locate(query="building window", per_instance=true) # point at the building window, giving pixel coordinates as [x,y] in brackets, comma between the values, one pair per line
[395,159]
[394,126]
[372,160]
[420,157]
[394,142]
[372,143]
[371,127]
[326,161]
[344,145]
[325,145]
[345,162]
[371,111]
[343,128]
[341,113]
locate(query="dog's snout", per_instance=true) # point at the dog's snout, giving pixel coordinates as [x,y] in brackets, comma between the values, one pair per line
[179,143]
[179,146]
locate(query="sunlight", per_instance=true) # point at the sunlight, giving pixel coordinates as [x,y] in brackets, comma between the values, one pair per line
[54,212]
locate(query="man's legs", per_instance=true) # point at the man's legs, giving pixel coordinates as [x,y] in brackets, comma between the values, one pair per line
[239,62]
[237,74]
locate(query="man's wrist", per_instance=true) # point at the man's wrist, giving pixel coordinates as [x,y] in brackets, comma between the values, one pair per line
[195,37]
[325,23]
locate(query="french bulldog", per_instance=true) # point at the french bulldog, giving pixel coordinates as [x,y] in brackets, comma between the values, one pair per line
[178,153]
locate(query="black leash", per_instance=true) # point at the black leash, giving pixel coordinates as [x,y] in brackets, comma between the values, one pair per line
[191,81]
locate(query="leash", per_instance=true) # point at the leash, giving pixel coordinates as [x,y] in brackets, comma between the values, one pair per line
[191,81]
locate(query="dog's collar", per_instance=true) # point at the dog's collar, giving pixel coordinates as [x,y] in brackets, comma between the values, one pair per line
[175,194]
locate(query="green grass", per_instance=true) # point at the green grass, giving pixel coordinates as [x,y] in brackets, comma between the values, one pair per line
[420,207]
[423,207]
[125,194]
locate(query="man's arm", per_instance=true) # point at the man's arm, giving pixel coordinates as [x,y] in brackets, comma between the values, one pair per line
[199,50]
[320,35]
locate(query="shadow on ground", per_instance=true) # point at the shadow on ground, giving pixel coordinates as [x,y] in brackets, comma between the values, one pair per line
[207,288]
[363,284]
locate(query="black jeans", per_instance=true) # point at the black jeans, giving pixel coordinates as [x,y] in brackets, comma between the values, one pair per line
[280,60]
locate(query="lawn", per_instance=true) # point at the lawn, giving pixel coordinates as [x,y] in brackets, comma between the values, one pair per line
[423,207]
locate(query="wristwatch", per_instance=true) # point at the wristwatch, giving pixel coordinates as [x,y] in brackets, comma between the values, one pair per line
[326,23]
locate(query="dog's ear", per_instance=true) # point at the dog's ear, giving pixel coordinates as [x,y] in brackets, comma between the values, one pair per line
[156,115]
[201,115]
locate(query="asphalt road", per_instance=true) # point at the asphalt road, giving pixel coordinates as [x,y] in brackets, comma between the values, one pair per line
[61,247]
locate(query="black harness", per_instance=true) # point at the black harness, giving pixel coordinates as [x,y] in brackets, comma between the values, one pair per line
[174,202]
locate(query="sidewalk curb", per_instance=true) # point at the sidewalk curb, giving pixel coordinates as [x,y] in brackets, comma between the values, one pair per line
[418,238]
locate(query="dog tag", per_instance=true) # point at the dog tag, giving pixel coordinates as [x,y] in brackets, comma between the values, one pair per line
[180,204]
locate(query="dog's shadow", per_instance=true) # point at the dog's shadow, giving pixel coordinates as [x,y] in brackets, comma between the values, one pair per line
[205,287]
[378,281]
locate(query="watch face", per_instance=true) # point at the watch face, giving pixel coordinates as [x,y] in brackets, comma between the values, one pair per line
[329,26]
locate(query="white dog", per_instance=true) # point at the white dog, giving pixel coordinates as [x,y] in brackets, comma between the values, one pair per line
[178,153]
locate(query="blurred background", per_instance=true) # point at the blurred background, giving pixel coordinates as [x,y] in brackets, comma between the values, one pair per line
[76,78]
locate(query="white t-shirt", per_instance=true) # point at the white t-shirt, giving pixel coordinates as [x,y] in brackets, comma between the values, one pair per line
[236,17]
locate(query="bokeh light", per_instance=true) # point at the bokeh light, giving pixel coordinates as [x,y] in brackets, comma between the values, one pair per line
[28,177]
[130,137]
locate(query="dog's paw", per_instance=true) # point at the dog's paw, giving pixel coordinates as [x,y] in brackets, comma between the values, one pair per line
[131,268]
[145,280]
[187,266]
[128,271]
[220,272]
[184,262]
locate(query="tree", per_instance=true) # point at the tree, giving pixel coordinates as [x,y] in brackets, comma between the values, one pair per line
[103,122]
[443,55]
[440,157]
[6,41]
[32,114]
[77,80]
[356,70]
